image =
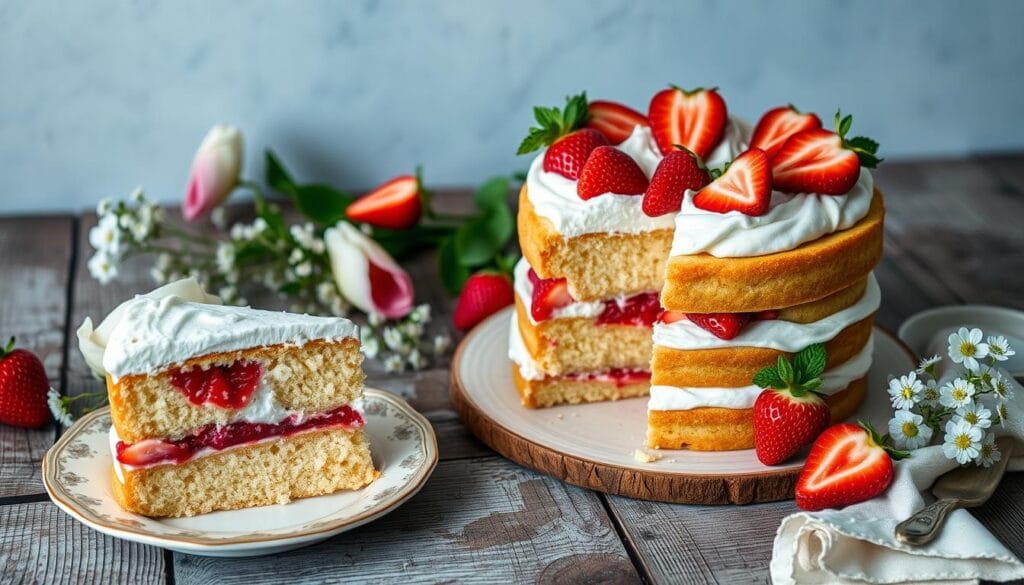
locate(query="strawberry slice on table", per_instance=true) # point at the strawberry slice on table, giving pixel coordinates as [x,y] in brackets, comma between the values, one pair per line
[789,413]
[820,161]
[694,119]
[394,205]
[677,172]
[609,170]
[484,294]
[23,388]
[778,124]
[614,120]
[744,186]
[549,294]
[848,463]
[562,131]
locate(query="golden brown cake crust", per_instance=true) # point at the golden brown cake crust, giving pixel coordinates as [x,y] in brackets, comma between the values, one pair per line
[596,266]
[725,429]
[732,367]
[555,391]
[702,283]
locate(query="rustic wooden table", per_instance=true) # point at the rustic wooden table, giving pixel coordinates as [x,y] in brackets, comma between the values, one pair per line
[953,235]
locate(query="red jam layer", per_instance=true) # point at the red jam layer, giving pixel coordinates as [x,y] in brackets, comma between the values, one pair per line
[155,451]
[640,310]
[618,376]
[224,386]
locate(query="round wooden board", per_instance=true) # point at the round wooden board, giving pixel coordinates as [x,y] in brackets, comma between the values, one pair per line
[592,445]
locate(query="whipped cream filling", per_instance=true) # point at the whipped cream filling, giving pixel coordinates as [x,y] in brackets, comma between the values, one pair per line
[156,333]
[517,352]
[524,289]
[773,334]
[834,380]
[791,220]
[554,197]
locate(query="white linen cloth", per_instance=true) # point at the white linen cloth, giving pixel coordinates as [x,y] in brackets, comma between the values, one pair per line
[857,544]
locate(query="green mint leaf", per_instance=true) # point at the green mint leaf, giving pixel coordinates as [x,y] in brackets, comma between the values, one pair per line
[785,370]
[812,385]
[553,123]
[493,193]
[810,362]
[276,175]
[536,139]
[452,273]
[768,378]
[520,176]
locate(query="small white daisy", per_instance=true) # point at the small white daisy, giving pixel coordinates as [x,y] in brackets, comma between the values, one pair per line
[393,363]
[421,314]
[393,338]
[927,365]
[908,430]
[375,319]
[441,344]
[974,413]
[988,453]
[1001,386]
[305,269]
[105,236]
[218,217]
[999,348]
[225,256]
[956,393]
[962,441]
[371,347]
[103,207]
[103,267]
[412,329]
[904,391]
[966,347]
[930,396]
[416,360]
[259,226]
[1003,414]
[138,195]
[58,408]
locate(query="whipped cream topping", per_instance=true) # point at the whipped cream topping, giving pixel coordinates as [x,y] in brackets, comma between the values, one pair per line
[790,221]
[774,334]
[524,289]
[554,196]
[834,380]
[156,333]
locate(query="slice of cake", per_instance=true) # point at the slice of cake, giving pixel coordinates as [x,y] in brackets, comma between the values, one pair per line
[217,407]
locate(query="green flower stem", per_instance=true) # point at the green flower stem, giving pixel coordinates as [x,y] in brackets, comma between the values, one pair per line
[188,236]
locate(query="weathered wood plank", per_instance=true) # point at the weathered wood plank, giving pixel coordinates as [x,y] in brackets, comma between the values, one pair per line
[41,544]
[35,256]
[477,521]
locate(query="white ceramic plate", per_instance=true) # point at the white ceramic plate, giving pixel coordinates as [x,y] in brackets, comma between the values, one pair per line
[76,472]
[921,329]
[608,433]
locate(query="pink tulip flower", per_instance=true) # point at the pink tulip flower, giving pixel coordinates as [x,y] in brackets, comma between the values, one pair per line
[367,276]
[215,171]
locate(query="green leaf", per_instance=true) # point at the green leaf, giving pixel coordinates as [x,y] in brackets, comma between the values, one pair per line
[276,175]
[810,362]
[554,123]
[290,288]
[785,370]
[812,385]
[474,243]
[323,204]
[452,273]
[493,193]
[866,150]
[768,378]
[501,225]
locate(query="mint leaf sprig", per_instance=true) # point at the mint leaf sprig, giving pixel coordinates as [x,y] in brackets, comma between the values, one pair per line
[866,148]
[799,377]
[553,123]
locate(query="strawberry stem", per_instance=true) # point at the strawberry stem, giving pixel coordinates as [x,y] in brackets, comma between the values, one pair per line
[8,348]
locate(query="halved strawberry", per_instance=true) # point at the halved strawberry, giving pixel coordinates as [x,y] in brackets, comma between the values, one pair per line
[721,325]
[614,120]
[549,294]
[819,161]
[394,205]
[484,294]
[745,186]
[150,452]
[847,464]
[677,172]
[784,423]
[694,119]
[609,170]
[778,124]
[671,316]
[569,153]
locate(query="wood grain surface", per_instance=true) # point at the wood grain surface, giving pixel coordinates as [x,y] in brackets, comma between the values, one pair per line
[953,235]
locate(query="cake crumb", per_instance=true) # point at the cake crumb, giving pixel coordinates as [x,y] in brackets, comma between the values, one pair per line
[645,457]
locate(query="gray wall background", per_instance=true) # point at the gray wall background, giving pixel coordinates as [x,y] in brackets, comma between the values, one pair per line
[97,97]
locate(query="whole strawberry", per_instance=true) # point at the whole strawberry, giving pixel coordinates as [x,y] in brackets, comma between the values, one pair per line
[484,294]
[23,388]
[678,171]
[790,413]
[562,131]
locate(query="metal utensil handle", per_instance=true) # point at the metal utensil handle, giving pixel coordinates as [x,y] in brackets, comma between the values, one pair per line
[925,525]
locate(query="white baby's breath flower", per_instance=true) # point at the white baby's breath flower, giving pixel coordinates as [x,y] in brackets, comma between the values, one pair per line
[411,329]
[105,236]
[393,338]
[303,270]
[228,293]
[441,344]
[999,348]
[158,276]
[103,267]
[416,360]
[259,226]
[225,256]
[296,256]
[138,195]
[956,393]
[420,314]
[962,441]
[927,365]
[1001,386]
[375,319]
[975,413]
[218,217]
[144,225]
[318,246]
[988,453]
[393,363]
[904,391]
[237,232]
[103,207]
[965,347]
[909,431]
[339,307]
[326,292]
[1003,414]
[371,347]
[58,408]
[163,261]
[930,395]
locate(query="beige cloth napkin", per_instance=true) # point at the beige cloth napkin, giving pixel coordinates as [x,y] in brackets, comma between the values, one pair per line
[857,544]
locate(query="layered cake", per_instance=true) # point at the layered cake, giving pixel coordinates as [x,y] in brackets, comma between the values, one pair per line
[217,407]
[760,242]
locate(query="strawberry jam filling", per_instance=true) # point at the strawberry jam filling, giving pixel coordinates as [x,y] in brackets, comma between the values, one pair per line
[640,310]
[228,386]
[618,376]
[150,452]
